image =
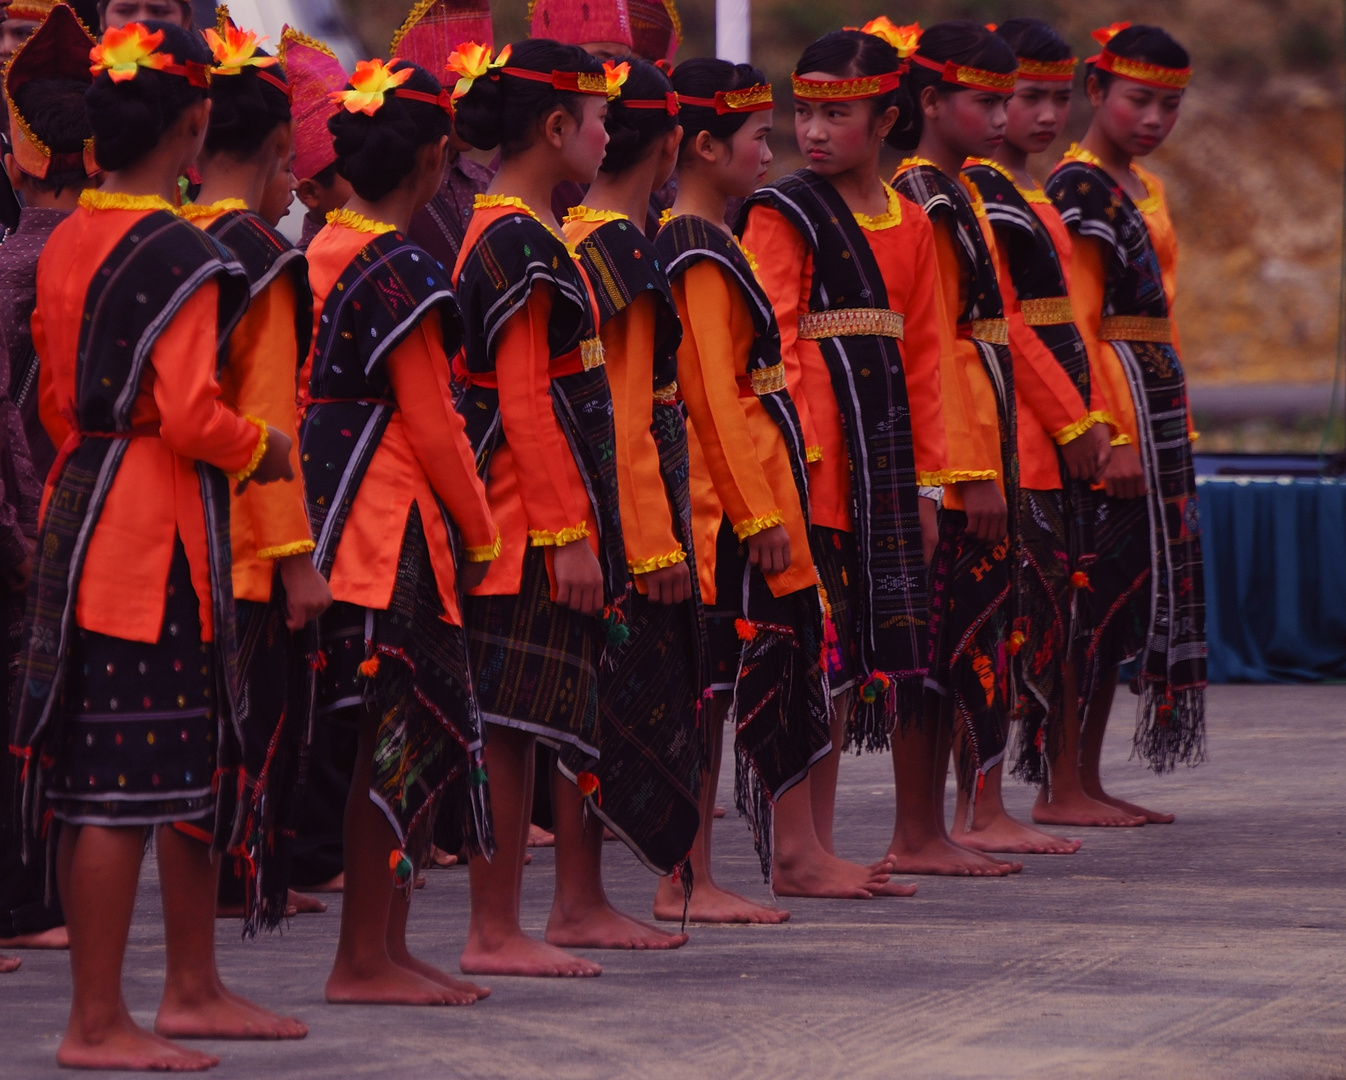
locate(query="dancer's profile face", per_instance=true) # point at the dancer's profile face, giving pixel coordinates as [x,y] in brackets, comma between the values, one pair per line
[969,122]
[837,136]
[585,140]
[1035,114]
[1135,117]
[743,168]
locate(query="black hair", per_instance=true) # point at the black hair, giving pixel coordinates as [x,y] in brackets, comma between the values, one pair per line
[503,110]
[245,109]
[129,118]
[325,178]
[376,153]
[851,53]
[1148,44]
[1033,39]
[631,132]
[54,109]
[703,77]
[964,42]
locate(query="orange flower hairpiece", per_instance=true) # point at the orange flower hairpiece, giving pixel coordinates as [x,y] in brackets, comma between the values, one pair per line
[370,84]
[471,62]
[905,39]
[123,51]
[616,76]
[1104,34]
[235,50]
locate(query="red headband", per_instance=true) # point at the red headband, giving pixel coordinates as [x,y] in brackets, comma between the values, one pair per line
[669,103]
[280,84]
[970,78]
[867,86]
[443,99]
[749,99]
[1165,78]
[594,83]
[1047,70]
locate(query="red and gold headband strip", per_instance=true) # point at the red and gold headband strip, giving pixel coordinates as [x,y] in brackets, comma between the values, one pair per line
[124,50]
[970,78]
[374,82]
[593,83]
[1047,70]
[236,49]
[749,99]
[1165,78]
[868,86]
[669,104]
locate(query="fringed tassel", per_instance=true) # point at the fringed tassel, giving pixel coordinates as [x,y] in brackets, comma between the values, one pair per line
[1170,728]
[881,703]
[753,802]
[706,721]
[682,873]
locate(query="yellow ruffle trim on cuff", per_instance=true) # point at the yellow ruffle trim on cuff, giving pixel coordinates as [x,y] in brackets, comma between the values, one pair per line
[1192,436]
[964,476]
[1122,440]
[283,551]
[659,562]
[753,526]
[485,552]
[543,538]
[1071,432]
[813,453]
[258,451]
[932,479]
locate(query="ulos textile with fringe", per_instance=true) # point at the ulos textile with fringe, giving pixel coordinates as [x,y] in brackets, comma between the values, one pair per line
[1172,723]
[888,590]
[154,269]
[970,594]
[411,667]
[513,256]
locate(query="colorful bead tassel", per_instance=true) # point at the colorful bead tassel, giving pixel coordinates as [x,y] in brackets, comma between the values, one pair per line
[618,632]
[1080,580]
[587,782]
[369,668]
[1015,643]
[400,866]
[875,687]
[745,630]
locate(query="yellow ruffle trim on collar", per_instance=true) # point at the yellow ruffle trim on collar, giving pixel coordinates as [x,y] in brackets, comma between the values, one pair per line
[752,259]
[284,551]
[488,202]
[485,552]
[258,451]
[193,211]
[659,562]
[584,213]
[665,217]
[753,526]
[93,199]
[543,538]
[1148,205]
[813,453]
[889,219]
[351,220]
[1035,194]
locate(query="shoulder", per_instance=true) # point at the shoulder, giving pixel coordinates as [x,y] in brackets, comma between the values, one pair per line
[928,188]
[1001,199]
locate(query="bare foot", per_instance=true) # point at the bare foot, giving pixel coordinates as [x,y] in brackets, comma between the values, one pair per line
[337,884]
[1152,817]
[58,937]
[942,856]
[9,963]
[521,955]
[386,984]
[540,837]
[129,1046]
[441,858]
[1002,833]
[604,927]
[719,811]
[224,1015]
[464,992]
[1079,809]
[303,904]
[825,875]
[712,904]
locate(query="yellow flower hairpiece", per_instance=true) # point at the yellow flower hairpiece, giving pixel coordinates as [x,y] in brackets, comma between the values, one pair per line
[371,81]
[616,76]
[471,62]
[1104,34]
[235,50]
[904,39]
[123,51]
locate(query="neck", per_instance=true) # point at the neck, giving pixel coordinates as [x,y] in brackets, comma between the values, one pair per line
[700,198]
[530,177]
[66,199]
[154,174]
[626,193]
[860,186]
[1116,161]
[393,209]
[933,147]
[1016,161]
[226,177]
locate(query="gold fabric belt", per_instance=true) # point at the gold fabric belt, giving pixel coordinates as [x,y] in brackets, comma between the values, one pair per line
[995,331]
[762,381]
[667,394]
[1048,311]
[591,353]
[1135,328]
[852,322]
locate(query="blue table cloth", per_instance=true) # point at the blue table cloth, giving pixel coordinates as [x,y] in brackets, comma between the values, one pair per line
[1275,553]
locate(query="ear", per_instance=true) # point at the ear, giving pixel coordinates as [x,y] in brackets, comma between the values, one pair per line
[931,100]
[703,145]
[556,125]
[672,141]
[309,193]
[432,157]
[885,120]
[1095,91]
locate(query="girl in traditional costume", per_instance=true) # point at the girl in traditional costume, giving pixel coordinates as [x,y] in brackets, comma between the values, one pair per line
[850,268]
[129,680]
[245,189]
[750,494]
[540,416]
[958,79]
[400,520]
[1146,587]
[649,704]
[1063,426]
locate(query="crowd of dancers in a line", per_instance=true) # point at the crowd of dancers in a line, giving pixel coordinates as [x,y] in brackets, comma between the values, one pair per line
[594,449]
